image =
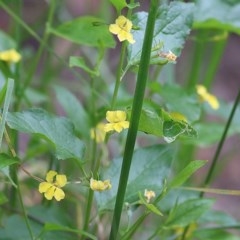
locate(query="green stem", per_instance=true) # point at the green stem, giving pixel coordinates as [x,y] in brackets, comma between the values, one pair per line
[119,74]
[120,66]
[128,235]
[217,52]
[134,122]
[36,60]
[222,140]
[24,212]
[217,153]
[197,59]
[19,20]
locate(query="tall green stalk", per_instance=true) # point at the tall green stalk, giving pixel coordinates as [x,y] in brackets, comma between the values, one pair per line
[220,145]
[217,153]
[135,116]
[216,57]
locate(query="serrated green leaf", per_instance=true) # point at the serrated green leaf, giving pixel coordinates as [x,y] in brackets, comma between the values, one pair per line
[217,14]
[57,130]
[80,62]
[6,160]
[150,167]
[86,30]
[173,129]
[151,122]
[187,212]
[172,26]
[191,168]
[177,99]
[74,110]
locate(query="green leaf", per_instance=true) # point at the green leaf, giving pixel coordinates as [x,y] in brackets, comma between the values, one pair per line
[57,130]
[191,168]
[6,42]
[151,122]
[217,218]
[15,228]
[172,26]
[80,62]
[187,212]
[173,129]
[6,160]
[74,110]
[56,227]
[213,234]
[177,99]
[150,167]
[205,139]
[86,30]
[6,172]
[152,208]
[119,4]
[217,14]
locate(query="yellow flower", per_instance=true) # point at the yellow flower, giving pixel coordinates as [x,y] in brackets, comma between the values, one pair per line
[97,185]
[117,121]
[122,28]
[149,194]
[10,56]
[98,133]
[52,187]
[206,96]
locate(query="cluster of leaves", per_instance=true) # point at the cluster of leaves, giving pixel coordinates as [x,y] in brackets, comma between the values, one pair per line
[163,166]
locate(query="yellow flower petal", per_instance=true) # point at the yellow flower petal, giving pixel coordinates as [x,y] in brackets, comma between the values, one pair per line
[59,194]
[116,116]
[212,101]
[44,186]
[50,193]
[52,188]
[96,185]
[10,55]
[115,29]
[61,180]
[122,28]
[109,127]
[50,175]
[206,96]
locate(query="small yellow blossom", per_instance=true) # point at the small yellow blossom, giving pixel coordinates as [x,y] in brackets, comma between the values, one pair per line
[178,116]
[170,56]
[122,28]
[52,187]
[98,133]
[10,55]
[206,96]
[97,185]
[117,121]
[149,194]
